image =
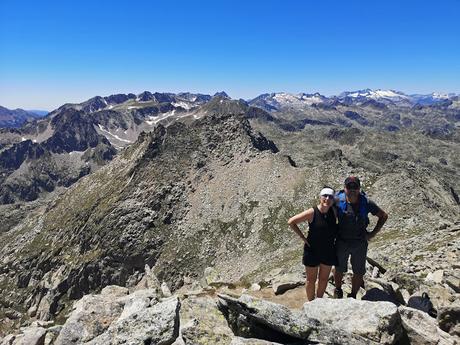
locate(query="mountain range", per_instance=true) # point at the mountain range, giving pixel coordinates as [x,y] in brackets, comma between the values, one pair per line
[17,117]
[75,139]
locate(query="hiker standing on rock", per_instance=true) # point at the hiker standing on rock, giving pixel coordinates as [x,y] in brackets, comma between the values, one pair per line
[319,250]
[353,207]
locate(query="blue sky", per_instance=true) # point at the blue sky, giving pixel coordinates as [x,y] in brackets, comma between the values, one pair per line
[53,52]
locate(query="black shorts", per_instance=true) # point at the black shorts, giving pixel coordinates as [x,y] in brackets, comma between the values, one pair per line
[312,257]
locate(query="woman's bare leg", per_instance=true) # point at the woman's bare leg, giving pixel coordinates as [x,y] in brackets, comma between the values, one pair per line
[324,272]
[312,275]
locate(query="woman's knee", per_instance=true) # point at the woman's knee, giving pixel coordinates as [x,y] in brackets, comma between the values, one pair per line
[322,280]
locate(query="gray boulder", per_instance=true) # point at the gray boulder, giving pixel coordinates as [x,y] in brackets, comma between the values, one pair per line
[252,317]
[449,319]
[29,336]
[203,323]
[283,283]
[158,324]
[251,341]
[92,315]
[376,321]
[421,329]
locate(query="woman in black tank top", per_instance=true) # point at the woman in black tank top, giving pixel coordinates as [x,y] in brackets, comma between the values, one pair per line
[319,246]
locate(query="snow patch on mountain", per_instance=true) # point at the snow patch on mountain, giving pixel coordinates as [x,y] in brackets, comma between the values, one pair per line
[377,94]
[112,135]
[155,119]
[181,104]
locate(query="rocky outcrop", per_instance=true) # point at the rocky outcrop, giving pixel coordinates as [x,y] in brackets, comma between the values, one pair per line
[117,317]
[73,150]
[251,317]
[422,329]
[15,118]
[203,323]
[378,321]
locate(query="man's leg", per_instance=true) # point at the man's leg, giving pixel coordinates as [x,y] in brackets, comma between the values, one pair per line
[358,264]
[338,277]
[312,275]
[356,283]
[324,272]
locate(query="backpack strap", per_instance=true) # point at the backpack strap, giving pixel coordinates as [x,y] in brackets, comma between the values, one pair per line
[342,204]
[363,204]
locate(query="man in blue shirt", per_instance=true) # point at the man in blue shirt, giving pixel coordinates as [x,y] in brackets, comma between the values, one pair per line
[353,210]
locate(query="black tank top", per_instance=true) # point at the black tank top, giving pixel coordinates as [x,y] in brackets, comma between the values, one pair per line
[322,231]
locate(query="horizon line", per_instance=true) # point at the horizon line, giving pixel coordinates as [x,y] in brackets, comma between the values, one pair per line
[50,109]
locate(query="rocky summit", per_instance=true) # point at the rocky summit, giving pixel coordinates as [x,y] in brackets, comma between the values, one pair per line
[161,218]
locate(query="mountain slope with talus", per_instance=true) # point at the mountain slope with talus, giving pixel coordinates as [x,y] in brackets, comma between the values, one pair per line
[156,203]
[76,139]
[55,151]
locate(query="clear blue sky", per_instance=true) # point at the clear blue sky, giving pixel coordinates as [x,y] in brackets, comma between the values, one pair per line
[53,52]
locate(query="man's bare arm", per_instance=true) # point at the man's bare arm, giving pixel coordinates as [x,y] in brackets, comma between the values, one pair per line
[382,216]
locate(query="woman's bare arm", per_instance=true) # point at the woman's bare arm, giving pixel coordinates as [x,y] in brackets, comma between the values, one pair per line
[301,217]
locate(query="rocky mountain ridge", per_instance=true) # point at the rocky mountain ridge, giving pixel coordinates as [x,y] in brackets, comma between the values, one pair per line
[11,118]
[121,118]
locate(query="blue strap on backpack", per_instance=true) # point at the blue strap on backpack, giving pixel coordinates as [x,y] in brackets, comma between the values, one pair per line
[363,204]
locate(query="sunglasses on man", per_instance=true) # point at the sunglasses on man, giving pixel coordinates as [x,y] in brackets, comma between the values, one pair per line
[327,196]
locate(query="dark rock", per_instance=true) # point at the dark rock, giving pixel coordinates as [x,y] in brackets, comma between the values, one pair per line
[448,318]
[356,117]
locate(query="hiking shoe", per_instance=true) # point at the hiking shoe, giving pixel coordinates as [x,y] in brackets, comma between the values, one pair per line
[350,295]
[338,293]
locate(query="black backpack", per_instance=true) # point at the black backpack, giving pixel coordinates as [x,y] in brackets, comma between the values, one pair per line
[422,303]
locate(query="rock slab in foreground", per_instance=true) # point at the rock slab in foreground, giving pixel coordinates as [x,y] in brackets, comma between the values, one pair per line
[377,321]
[119,318]
[252,317]
[158,324]
[422,329]
[203,323]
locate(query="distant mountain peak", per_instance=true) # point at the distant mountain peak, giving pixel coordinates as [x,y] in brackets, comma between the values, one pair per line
[222,94]
[278,100]
[16,117]
[375,94]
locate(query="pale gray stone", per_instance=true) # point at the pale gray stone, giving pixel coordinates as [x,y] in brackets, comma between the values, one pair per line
[8,340]
[114,291]
[285,282]
[435,276]
[31,336]
[255,287]
[376,321]
[92,315]
[203,323]
[165,290]
[158,324]
[251,341]
[421,328]
[375,272]
[255,315]
[51,334]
